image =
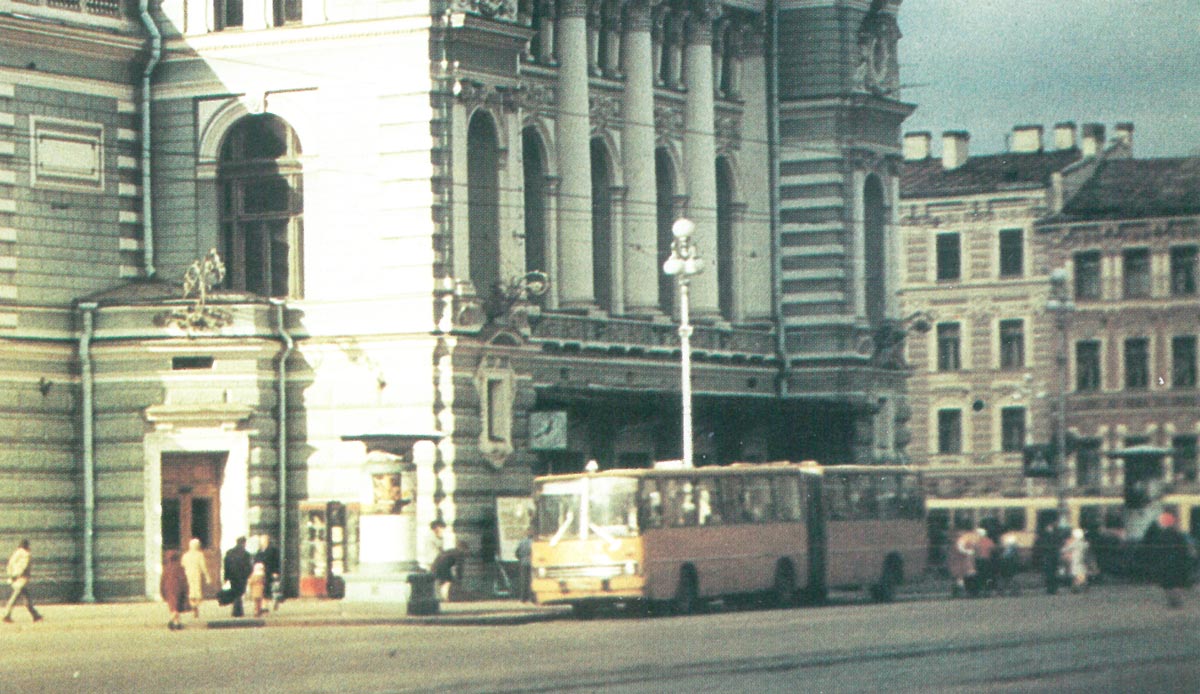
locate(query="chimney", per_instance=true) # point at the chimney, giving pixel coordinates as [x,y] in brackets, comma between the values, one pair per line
[1093,139]
[1125,133]
[916,145]
[1027,138]
[1064,135]
[954,148]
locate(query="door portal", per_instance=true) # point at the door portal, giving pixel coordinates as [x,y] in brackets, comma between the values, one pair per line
[191,507]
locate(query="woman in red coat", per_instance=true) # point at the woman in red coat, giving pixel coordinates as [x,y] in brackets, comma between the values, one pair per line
[174,588]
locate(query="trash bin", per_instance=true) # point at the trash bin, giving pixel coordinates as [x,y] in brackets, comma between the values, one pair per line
[422,597]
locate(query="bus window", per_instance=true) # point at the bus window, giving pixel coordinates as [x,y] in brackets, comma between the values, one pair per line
[887,497]
[650,506]
[680,504]
[864,505]
[788,502]
[558,509]
[964,519]
[1014,518]
[708,502]
[1195,523]
[611,508]
[731,497]
[837,496]
[758,499]
[938,524]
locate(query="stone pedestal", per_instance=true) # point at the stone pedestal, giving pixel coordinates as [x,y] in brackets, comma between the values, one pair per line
[386,548]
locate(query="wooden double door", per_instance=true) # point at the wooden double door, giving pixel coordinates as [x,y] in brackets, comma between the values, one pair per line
[191,507]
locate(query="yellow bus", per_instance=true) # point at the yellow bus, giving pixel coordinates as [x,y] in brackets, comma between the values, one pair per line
[684,536]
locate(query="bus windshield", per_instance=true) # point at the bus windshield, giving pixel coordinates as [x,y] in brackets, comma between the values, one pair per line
[577,509]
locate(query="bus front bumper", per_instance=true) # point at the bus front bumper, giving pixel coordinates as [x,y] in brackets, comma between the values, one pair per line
[550,591]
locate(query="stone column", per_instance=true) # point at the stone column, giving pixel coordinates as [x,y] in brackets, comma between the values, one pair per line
[612,44]
[616,253]
[637,151]
[551,233]
[574,157]
[700,153]
[545,30]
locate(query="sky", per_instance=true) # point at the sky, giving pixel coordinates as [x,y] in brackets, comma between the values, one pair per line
[985,66]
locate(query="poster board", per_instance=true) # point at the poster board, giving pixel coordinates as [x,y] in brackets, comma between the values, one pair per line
[513,516]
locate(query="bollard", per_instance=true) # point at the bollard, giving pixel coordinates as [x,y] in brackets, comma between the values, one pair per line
[422,599]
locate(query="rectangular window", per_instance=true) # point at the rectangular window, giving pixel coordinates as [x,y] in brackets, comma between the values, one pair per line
[949,431]
[1136,269]
[1012,253]
[1183,271]
[1087,275]
[1087,365]
[287,12]
[1087,463]
[1184,455]
[948,346]
[1012,429]
[1137,363]
[1183,361]
[949,257]
[1012,344]
[229,14]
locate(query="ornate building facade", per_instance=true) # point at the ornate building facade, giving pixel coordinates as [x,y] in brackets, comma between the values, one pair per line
[437,235]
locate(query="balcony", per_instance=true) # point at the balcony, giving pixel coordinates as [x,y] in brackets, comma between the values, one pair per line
[629,336]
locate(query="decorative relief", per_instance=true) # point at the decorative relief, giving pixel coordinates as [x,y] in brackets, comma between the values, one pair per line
[537,98]
[492,9]
[67,154]
[729,133]
[473,93]
[495,383]
[877,70]
[668,122]
[604,112]
[198,281]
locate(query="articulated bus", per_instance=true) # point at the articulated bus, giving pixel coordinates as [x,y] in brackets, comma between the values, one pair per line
[684,536]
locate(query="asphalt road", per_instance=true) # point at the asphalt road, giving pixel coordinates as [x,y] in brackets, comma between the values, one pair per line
[1111,639]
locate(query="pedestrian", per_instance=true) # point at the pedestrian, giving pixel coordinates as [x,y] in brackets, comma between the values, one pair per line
[1008,564]
[984,579]
[1074,557]
[173,587]
[961,561]
[238,566]
[448,569]
[18,578]
[268,556]
[1174,560]
[256,587]
[1046,553]
[195,566]
[525,567]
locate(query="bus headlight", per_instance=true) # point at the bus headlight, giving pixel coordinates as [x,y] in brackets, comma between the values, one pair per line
[541,572]
[631,567]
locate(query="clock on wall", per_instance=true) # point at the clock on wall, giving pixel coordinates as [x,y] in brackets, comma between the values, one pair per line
[548,430]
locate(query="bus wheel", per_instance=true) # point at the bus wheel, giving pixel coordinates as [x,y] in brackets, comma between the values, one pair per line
[783,590]
[687,593]
[891,576]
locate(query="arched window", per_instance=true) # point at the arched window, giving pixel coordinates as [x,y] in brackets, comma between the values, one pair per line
[261,205]
[664,176]
[602,270]
[874,250]
[725,247]
[534,158]
[483,203]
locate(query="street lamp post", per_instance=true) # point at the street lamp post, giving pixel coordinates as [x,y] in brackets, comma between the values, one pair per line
[1060,304]
[683,263]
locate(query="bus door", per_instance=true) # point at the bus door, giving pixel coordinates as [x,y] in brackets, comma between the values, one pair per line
[818,539]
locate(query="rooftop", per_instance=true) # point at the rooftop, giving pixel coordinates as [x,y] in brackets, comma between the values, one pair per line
[989,173]
[1136,189]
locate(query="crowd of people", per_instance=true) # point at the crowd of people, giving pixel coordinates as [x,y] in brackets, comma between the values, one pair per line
[983,561]
[185,576]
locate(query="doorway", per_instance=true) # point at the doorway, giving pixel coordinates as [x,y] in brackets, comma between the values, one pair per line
[191,507]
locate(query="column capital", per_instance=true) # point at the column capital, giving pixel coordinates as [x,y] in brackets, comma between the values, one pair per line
[572,8]
[700,18]
[637,16]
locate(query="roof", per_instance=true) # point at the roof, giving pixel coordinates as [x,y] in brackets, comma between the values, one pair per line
[1136,189]
[989,173]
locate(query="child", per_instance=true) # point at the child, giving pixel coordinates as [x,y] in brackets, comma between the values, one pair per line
[256,586]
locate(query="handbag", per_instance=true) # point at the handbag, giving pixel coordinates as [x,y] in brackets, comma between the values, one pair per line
[225,596]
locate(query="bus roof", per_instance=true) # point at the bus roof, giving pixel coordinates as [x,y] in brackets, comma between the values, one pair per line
[805,467]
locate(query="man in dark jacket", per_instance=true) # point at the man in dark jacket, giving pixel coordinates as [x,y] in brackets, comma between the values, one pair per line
[1174,559]
[268,556]
[238,567]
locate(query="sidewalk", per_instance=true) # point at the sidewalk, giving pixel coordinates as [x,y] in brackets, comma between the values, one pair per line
[299,612]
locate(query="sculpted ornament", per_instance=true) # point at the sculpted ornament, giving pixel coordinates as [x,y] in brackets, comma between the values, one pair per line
[198,282]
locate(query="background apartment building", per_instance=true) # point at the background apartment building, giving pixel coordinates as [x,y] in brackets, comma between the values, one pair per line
[440,232]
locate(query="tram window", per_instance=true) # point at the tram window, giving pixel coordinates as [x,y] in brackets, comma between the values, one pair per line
[1113,518]
[1090,516]
[938,525]
[1014,519]
[650,505]
[788,502]
[731,499]
[911,505]
[1195,525]
[964,519]
[758,499]
[1046,516]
